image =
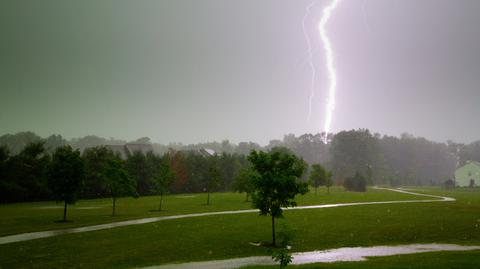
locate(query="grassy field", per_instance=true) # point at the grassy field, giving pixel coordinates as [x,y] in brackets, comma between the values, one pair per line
[228,236]
[29,217]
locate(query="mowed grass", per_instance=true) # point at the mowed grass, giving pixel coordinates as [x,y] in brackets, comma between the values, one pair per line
[41,216]
[437,260]
[228,236]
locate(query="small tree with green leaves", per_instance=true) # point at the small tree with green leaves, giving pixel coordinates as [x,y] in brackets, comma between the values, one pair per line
[119,183]
[66,176]
[283,255]
[277,182]
[328,180]
[163,178]
[213,180]
[244,182]
[317,176]
[96,163]
[356,183]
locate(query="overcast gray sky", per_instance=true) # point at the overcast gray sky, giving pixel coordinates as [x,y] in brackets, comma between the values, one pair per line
[194,71]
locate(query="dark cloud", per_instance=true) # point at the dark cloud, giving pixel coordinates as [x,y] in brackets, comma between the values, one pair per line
[193,71]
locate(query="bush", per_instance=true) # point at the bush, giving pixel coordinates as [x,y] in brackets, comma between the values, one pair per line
[356,183]
[449,184]
[282,255]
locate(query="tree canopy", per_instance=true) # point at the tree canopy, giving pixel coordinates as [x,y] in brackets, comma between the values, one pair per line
[356,183]
[318,176]
[244,181]
[119,183]
[66,176]
[163,177]
[277,182]
[212,180]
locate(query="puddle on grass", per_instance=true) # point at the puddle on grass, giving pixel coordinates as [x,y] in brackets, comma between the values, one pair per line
[360,253]
[327,256]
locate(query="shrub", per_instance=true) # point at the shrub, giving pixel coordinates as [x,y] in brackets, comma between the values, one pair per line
[356,183]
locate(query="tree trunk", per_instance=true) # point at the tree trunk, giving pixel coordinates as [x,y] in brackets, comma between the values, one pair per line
[316,190]
[273,231]
[161,199]
[113,208]
[328,189]
[208,198]
[65,211]
[246,198]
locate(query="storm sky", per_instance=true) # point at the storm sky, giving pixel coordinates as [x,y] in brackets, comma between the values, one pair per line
[195,71]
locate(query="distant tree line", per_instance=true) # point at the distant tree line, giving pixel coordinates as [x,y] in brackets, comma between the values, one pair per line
[404,160]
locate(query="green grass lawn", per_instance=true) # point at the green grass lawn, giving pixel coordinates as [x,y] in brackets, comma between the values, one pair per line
[437,260]
[228,236]
[30,217]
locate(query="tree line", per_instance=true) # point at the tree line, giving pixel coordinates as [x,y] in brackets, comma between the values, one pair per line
[404,160]
[272,178]
[26,176]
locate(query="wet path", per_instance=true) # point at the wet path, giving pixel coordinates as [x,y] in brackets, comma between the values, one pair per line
[331,255]
[44,234]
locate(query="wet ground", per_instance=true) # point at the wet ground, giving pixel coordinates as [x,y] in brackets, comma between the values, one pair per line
[326,256]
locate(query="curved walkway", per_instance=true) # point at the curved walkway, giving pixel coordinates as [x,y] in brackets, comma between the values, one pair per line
[44,234]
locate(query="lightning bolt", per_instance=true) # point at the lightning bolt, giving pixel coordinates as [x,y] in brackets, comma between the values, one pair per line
[332,75]
[310,61]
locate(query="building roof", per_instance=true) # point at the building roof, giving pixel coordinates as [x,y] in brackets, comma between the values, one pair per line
[208,152]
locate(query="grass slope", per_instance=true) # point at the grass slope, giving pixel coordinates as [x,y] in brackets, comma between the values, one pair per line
[220,237]
[30,217]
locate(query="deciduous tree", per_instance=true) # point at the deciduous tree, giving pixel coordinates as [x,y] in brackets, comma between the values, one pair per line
[244,182]
[277,182]
[119,183]
[318,176]
[356,183]
[97,160]
[163,178]
[328,180]
[140,170]
[213,180]
[66,176]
